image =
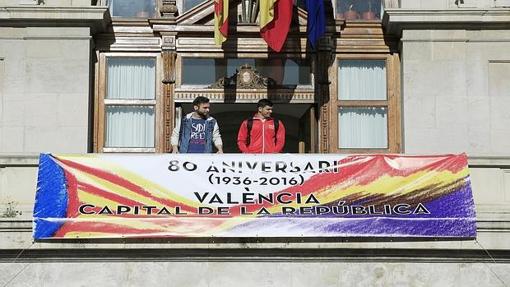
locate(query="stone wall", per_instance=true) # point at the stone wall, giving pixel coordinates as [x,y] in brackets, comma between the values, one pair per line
[281,272]
[456,91]
[454,70]
[45,89]
[46,76]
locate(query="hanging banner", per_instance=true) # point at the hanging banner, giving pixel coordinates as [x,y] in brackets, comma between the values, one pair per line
[239,195]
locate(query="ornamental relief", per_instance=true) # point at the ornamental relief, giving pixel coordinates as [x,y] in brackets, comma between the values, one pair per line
[218,96]
[246,77]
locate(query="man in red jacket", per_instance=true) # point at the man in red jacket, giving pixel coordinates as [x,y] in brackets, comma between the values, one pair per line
[261,133]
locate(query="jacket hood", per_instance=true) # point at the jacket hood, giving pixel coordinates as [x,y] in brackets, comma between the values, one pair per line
[190,114]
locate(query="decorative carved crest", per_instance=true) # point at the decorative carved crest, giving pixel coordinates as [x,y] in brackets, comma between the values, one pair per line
[246,77]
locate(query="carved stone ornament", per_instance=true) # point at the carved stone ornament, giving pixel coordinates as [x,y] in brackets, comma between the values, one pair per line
[168,43]
[168,8]
[245,77]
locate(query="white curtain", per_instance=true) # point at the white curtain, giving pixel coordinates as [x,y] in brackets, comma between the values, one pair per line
[129,126]
[131,78]
[363,127]
[362,80]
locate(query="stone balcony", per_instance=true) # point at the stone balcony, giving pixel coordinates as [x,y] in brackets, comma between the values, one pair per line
[490,178]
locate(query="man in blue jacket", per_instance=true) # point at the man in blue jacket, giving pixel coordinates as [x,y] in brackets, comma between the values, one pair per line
[197,132]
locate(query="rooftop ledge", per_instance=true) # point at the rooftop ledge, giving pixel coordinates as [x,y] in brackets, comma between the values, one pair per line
[395,20]
[96,17]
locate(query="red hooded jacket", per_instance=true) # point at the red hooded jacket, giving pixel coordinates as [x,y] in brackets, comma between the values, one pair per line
[262,137]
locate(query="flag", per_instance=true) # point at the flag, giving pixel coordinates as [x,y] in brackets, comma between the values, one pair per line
[316,23]
[220,21]
[275,18]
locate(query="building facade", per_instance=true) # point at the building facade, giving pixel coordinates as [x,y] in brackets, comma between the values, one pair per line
[409,76]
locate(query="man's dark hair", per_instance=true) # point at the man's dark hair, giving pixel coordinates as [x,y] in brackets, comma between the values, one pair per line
[263,103]
[200,100]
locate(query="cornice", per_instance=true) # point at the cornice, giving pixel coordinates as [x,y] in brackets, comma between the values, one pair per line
[493,161]
[246,95]
[19,160]
[96,17]
[396,20]
[17,235]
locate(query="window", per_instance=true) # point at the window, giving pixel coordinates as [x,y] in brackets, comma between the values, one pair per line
[367,105]
[185,5]
[128,105]
[287,73]
[364,10]
[133,8]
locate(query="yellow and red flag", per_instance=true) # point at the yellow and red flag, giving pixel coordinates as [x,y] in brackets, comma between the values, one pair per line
[275,19]
[220,21]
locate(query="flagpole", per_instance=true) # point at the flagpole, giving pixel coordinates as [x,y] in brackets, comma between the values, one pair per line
[250,5]
[243,14]
[254,11]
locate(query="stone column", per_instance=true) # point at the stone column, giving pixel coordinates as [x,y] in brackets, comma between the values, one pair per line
[322,82]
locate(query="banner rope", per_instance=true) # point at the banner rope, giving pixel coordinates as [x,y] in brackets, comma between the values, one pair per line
[494,261]
[14,261]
